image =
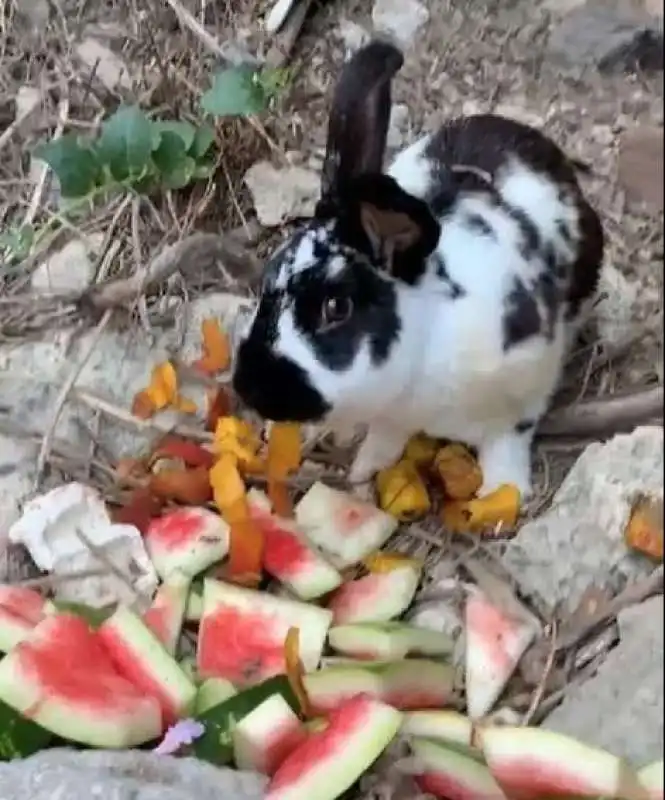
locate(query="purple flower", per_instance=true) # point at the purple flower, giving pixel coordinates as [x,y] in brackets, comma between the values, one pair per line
[182,733]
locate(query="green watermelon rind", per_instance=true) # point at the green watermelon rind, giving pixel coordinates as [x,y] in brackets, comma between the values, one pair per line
[470,770]
[336,772]
[312,621]
[72,722]
[388,640]
[142,646]
[20,737]
[212,692]
[216,744]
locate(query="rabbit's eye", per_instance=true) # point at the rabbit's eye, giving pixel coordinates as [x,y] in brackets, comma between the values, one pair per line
[335,311]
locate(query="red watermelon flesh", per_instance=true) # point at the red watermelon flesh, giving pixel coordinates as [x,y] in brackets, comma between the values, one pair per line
[165,615]
[141,658]
[531,763]
[331,760]
[378,597]
[21,609]
[189,539]
[243,632]
[495,642]
[452,775]
[288,557]
[266,736]
[62,677]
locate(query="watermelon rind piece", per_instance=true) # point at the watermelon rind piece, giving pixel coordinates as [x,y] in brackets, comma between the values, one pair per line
[188,538]
[406,685]
[142,658]
[450,774]
[388,641]
[288,555]
[194,607]
[212,692]
[331,761]
[652,778]
[446,726]
[216,744]
[342,525]
[20,737]
[63,679]
[531,763]
[378,597]
[21,609]
[495,641]
[243,632]
[188,666]
[166,614]
[266,736]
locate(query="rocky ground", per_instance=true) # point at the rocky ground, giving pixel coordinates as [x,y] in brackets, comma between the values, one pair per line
[97,300]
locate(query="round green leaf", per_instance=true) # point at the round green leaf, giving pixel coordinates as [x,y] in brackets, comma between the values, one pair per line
[180,176]
[74,164]
[234,92]
[126,142]
[185,130]
[203,139]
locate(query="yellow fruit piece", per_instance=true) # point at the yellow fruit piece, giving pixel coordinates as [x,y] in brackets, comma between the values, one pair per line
[388,562]
[421,450]
[402,491]
[459,471]
[497,510]
[236,437]
[227,485]
[284,450]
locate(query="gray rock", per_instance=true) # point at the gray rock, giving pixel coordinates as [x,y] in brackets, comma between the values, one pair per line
[578,543]
[32,373]
[282,194]
[621,708]
[70,269]
[401,19]
[133,775]
[610,35]
[352,34]
[640,165]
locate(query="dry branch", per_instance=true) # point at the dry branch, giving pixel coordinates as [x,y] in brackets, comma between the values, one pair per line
[604,417]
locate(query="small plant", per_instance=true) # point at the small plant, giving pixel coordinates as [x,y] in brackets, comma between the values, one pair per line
[243,90]
[132,151]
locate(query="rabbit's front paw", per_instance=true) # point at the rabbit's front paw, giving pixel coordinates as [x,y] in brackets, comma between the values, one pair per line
[506,459]
[381,448]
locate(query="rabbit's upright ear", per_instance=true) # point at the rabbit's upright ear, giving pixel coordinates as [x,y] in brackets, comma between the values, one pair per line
[359,119]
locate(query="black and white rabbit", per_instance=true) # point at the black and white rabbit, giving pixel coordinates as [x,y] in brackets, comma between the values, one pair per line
[440,296]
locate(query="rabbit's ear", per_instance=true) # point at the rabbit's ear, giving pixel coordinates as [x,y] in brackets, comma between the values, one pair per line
[398,229]
[359,119]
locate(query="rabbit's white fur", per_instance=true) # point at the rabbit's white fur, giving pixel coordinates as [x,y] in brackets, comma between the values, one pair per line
[448,374]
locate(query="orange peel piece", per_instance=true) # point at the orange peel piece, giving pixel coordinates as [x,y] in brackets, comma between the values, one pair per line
[402,491]
[497,510]
[216,348]
[644,532]
[234,436]
[228,487]
[381,563]
[295,671]
[459,471]
[283,457]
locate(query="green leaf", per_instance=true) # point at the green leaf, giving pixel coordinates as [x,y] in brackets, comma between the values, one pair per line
[234,92]
[16,243]
[185,130]
[216,744]
[203,139]
[20,737]
[176,168]
[126,142]
[75,164]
